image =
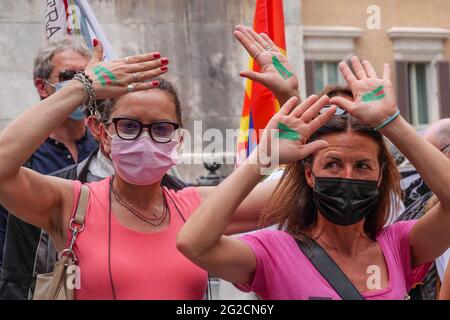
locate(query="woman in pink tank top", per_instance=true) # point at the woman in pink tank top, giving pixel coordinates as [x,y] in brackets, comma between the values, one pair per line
[126,248]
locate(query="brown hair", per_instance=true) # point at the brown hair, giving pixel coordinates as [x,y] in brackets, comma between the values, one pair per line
[107,106]
[291,205]
[333,91]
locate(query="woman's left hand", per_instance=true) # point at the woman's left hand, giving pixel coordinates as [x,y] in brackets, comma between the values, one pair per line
[276,73]
[114,78]
[374,98]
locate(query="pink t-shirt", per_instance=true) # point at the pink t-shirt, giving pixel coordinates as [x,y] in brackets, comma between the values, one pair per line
[284,272]
[143,265]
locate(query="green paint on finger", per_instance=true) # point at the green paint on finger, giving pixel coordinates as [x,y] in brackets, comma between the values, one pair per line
[288,133]
[376,94]
[285,73]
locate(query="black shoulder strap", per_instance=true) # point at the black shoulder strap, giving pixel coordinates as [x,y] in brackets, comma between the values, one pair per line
[329,270]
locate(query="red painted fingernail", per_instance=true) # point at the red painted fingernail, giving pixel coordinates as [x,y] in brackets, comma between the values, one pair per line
[95,42]
[163,68]
[156,55]
[164,61]
[155,83]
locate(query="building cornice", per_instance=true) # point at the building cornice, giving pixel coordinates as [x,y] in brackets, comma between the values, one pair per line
[418,33]
[331,31]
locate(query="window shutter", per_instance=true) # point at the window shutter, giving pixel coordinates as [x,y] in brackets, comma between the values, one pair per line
[443,73]
[309,77]
[403,98]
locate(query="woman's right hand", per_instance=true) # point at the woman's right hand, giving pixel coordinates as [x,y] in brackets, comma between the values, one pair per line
[276,73]
[291,127]
[112,78]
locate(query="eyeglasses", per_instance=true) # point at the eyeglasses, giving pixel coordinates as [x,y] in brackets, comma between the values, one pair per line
[339,111]
[130,129]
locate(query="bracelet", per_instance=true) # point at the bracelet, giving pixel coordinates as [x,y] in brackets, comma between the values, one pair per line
[89,101]
[389,120]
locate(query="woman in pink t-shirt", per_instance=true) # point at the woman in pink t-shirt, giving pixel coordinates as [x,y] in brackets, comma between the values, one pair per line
[336,190]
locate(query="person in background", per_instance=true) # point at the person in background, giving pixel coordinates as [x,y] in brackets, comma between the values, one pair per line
[421,200]
[415,189]
[68,144]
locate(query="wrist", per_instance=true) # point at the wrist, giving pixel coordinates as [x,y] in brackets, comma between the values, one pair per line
[283,97]
[88,89]
[75,90]
[392,127]
[387,120]
[261,162]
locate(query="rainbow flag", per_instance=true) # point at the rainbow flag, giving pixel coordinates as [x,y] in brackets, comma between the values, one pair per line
[259,102]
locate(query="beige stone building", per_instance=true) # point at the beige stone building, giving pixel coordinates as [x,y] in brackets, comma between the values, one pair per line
[411,35]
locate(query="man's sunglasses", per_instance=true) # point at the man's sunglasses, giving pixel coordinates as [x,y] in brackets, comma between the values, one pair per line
[65,75]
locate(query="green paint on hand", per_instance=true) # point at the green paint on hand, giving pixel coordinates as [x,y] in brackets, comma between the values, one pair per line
[104,75]
[376,94]
[288,133]
[108,73]
[100,77]
[285,73]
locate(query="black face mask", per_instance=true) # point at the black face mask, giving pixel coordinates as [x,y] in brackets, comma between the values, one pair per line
[345,201]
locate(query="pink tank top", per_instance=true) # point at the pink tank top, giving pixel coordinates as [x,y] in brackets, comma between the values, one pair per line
[143,265]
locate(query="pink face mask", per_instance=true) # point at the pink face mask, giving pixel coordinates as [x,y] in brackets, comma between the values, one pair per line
[142,161]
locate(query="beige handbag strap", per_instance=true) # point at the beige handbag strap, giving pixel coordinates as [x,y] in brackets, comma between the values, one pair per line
[80,214]
[76,224]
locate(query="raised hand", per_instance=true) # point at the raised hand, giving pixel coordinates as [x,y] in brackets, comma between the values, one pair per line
[276,73]
[292,126]
[117,77]
[374,98]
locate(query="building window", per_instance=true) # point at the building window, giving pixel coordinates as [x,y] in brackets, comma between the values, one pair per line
[418,53]
[324,47]
[326,73]
[420,111]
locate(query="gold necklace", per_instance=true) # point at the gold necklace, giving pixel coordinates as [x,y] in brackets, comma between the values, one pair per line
[334,247]
[157,221]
